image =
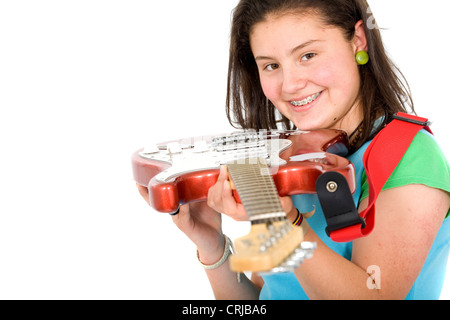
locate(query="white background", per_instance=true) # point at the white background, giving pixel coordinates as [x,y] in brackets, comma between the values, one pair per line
[83,84]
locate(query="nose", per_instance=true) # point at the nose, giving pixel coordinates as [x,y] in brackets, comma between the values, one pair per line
[293,81]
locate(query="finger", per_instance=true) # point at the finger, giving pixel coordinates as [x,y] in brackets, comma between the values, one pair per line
[226,176]
[227,196]
[286,204]
[230,207]
[182,217]
[215,192]
[214,195]
[309,214]
[223,173]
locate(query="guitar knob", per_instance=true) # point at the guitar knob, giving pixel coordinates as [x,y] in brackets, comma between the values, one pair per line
[150,149]
[174,147]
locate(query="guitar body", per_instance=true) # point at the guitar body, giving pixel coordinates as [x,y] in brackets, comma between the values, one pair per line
[182,171]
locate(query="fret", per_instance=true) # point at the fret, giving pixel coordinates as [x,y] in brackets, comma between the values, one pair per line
[256,189]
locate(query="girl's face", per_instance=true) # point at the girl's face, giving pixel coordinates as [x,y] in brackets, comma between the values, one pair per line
[308,71]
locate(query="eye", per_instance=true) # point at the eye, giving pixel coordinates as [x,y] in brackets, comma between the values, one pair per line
[308,56]
[271,67]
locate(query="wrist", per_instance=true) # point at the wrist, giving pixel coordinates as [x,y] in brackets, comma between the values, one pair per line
[305,226]
[212,251]
[292,214]
[299,220]
[218,262]
[295,217]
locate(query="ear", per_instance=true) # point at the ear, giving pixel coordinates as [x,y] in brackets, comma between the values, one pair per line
[360,40]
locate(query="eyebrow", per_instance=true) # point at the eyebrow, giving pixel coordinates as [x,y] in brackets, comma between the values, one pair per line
[303,45]
[297,48]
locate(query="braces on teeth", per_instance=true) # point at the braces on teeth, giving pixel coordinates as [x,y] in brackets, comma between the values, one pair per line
[306,101]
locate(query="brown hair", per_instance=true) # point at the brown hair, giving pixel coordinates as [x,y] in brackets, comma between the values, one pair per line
[384,90]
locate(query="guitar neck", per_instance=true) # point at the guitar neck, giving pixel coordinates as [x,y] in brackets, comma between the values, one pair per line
[256,189]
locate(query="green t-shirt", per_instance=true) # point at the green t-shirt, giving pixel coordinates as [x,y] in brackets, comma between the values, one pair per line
[423,163]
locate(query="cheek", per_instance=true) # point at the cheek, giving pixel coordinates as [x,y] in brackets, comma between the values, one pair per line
[270,88]
[324,75]
[342,80]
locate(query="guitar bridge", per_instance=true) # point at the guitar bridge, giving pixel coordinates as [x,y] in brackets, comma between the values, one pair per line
[239,141]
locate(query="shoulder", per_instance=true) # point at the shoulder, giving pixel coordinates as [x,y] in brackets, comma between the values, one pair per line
[424,142]
[423,163]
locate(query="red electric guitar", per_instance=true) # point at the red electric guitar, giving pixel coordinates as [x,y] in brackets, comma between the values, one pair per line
[262,166]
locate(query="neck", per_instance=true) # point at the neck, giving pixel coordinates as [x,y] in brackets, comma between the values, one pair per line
[256,190]
[356,135]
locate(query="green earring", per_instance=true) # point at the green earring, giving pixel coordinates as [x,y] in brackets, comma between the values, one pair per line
[362,57]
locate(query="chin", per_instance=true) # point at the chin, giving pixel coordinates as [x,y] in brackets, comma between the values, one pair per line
[309,125]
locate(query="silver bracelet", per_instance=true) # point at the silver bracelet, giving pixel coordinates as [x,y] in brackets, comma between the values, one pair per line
[225,256]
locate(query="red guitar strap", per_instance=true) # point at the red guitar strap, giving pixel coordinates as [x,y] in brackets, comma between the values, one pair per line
[380,159]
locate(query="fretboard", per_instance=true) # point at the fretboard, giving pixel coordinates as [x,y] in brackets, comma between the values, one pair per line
[256,189]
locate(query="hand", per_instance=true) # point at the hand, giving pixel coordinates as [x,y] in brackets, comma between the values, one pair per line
[201,224]
[221,199]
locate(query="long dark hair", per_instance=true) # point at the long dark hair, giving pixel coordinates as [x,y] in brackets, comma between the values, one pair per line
[383,91]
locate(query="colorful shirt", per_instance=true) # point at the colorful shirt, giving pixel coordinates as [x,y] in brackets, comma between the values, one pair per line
[423,163]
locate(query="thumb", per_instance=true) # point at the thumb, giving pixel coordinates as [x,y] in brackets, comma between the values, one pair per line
[287,204]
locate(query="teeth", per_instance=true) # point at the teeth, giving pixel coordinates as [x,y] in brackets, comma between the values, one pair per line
[306,101]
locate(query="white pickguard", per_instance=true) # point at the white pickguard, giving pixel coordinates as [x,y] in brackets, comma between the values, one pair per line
[210,154]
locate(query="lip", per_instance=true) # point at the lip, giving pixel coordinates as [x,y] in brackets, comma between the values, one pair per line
[305,107]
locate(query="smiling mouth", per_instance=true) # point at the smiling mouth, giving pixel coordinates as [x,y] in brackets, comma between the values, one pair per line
[306,101]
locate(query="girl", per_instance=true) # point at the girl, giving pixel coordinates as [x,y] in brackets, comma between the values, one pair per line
[312,64]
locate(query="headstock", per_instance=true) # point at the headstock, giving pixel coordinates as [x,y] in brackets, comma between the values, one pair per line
[271,247]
